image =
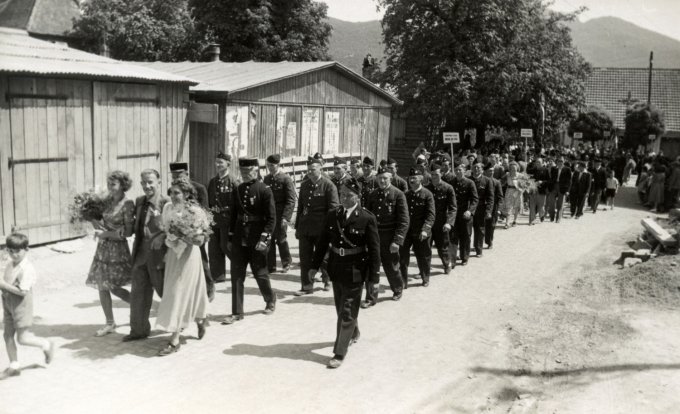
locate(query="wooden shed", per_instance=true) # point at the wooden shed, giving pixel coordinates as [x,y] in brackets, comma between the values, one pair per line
[291,108]
[67,118]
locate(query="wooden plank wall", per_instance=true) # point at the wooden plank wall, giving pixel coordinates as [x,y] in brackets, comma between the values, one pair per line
[322,87]
[6,184]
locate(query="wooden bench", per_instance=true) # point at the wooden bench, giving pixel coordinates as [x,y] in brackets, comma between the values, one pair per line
[661,235]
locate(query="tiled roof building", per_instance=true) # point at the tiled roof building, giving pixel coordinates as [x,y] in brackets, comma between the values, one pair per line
[45,19]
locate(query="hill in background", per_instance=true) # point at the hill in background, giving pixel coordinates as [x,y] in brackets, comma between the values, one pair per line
[604,42]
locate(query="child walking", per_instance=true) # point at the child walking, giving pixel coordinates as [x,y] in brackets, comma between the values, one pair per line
[17,303]
[611,188]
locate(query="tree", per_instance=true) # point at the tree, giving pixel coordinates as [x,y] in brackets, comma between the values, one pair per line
[643,120]
[479,63]
[266,30]
[142,30]
[592,122]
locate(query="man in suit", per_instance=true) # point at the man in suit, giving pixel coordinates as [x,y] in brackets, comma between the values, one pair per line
[445,214]
[421,212]
[466,200]
[180,170]
[220,190]
[580,188]
[484,210]
[317,197]
[283,188]
[400,183]
[350,235]
[388,204]
[368,180]
[599,174]
[560,181]
[490,225]
[148,252]
[253,220]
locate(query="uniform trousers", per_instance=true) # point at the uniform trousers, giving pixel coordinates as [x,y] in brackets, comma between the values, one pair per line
[555,203]
[440,239]
[145,279]
[390,264]
[478,226]
[460,239]
[347,298]
[280,239]
[490,228]
[307,246]
[241,257]
[423,253]
[217,250]
[536,206]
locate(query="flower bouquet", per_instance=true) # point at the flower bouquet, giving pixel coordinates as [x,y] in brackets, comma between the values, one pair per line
[88,206]
[188,222]
[526,184]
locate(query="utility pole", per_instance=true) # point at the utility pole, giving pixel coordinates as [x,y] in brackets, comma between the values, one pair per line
[649,86]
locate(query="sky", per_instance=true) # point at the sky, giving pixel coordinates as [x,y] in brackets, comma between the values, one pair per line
[661,16]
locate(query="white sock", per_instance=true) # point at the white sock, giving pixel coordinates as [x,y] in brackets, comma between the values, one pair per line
[14,365]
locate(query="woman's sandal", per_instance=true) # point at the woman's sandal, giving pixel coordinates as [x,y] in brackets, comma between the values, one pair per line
[106,330]
[169,349]
[201,328]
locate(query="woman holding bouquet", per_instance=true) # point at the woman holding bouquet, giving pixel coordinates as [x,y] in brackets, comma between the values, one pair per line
[185,299]
[110,269]
[513,180]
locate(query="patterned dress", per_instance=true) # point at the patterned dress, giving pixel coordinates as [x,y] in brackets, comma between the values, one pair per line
[111,266]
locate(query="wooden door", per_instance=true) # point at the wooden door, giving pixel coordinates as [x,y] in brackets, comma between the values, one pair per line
[51,153]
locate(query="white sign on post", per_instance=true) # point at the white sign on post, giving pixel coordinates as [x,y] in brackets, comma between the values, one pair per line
[606,134]
[652,137]
[578,135]
[451,138]
[526,133]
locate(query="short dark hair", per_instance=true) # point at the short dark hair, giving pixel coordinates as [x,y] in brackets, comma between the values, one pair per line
[149,171]
[122,177]
[185,187]
[17,241]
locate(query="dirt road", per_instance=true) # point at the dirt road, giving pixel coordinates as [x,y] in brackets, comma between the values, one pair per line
[479,340]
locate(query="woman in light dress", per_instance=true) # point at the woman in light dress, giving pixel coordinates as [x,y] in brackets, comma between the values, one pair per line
[184,298]
[111,268]
[513,193]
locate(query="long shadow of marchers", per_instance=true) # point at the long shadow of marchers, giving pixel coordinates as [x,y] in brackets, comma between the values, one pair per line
[86,345]
[5,375]
[576,371]
[311,299]
[285,277]
[118,304]
[300,352]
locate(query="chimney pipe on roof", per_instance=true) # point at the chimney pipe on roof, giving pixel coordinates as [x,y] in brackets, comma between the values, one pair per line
[214,52]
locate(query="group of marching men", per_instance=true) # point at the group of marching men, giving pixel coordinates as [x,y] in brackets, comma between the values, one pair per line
[348,226]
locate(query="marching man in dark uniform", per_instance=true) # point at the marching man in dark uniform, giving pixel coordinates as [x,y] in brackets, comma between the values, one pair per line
[340,174]
[253,218]
[445,214]
[368,181]
[388,204]
[484,211]
[397,181]
[354,258]
[490,225]
[181,170]
[421,218]
[318,196]
[220,189]
[283,188]
[466,198]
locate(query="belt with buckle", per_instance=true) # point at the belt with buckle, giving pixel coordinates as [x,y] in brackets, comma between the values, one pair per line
[245,218]
[341,251]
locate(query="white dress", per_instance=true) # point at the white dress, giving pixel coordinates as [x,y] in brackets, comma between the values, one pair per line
[184,290]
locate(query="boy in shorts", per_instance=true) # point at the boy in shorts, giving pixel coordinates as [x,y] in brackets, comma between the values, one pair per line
[17,303]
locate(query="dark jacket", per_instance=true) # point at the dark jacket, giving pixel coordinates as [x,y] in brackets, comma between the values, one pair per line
[391,212]
[485,194]
[580,182]
[466,196]
[421,211]
[359,230]
[220,191]
[201,194]
[444,204]
[599,178]
[542,178]
[497,195]
[368,184]
[400,183]
[283,189]
[155,257]
[315,201]
[253,213]
[564,180]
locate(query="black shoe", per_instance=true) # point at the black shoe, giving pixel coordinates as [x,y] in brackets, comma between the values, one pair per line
[355,339]
[447,270]
[271,307]
[169,349]
[231,319]
[335,362]
[405,284]
[303,292]
[272,270]
[396,296]
[464,262]
[327,286]
[201,328]
[426,284]
[367,304]
[131,337]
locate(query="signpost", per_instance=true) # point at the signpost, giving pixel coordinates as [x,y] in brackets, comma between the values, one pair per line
[578,135]
[526,133]
[652,137]
[451,138]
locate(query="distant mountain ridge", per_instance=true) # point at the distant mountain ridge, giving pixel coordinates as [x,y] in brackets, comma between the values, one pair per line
[604,42]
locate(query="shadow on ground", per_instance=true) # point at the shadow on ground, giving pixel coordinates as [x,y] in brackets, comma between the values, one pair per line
[297,352]
[605,369]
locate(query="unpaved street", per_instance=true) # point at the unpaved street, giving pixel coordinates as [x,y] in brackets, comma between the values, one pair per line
[459,345]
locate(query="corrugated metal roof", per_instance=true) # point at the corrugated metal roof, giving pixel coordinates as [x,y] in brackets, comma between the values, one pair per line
[608,88]
[230,77]
[21,53]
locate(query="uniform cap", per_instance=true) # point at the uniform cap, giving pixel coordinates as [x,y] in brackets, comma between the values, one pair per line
[247,162]
[435,166]
[489,166]
[179,166]
[274,159]
[382,170]
[352,185]
[314,160]
[383,163]
[318,156]
[222,156]
[414,172]
[354,161]
[339,161]
[368,161]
